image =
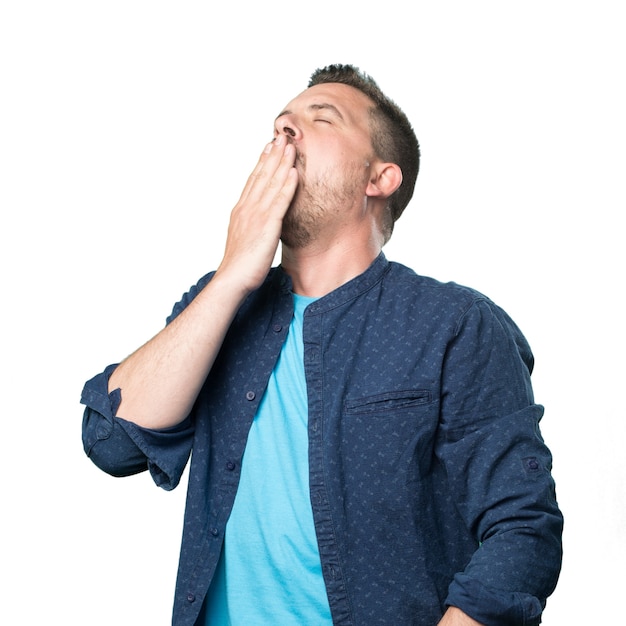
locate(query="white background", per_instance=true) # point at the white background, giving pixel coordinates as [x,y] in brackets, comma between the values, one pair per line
[127,130]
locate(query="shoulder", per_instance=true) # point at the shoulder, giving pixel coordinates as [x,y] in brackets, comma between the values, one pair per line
[408,284]
[458,306]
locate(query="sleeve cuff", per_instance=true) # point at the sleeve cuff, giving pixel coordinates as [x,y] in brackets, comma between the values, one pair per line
[122,448]
[493,607]
[167,450]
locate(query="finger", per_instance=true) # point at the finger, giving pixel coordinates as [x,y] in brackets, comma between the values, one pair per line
[255,172]
[272,180]
[275,160]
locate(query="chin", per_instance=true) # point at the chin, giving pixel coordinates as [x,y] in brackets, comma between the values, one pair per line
[294,235]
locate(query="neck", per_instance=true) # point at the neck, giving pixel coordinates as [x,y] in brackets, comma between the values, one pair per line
[316,270]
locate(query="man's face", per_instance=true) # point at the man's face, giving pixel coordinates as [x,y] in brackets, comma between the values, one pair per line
[329,126]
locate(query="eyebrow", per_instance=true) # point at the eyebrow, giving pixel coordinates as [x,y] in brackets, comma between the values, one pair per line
[323,106]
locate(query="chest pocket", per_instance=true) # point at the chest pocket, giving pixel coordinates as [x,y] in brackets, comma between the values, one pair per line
[390,402]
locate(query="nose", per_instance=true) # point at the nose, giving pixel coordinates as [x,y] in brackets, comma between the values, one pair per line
[286,125]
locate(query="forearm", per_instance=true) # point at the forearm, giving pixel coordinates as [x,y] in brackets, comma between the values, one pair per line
[160,382]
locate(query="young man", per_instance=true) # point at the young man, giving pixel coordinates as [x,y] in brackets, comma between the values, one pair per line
[365,441]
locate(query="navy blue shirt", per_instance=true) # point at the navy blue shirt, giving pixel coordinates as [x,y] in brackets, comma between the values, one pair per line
[430,482]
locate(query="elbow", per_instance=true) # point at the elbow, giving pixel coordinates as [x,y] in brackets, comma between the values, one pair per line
[114,464]
[109,447]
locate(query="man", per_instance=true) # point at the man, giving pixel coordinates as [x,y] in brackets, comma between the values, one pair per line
[365,441]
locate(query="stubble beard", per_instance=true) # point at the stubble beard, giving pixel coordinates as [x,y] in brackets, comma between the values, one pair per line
[301,219]
[315,202]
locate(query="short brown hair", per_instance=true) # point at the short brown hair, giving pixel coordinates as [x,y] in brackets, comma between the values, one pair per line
[393,137]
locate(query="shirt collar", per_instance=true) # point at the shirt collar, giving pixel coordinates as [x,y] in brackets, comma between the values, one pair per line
[348,291]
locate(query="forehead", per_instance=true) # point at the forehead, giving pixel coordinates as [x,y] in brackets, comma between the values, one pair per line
[353,105]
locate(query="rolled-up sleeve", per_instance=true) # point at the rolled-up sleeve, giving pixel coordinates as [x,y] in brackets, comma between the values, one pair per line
[499,471]
[122,448]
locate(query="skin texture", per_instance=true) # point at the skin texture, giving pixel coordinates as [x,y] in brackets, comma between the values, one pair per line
[318,187]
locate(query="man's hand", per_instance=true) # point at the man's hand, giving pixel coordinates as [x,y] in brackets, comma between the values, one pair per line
[256,221]
[161,381]
[456,617]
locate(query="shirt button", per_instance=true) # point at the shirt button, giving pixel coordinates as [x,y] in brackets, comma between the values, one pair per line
[214,532]
[250,395]
[230,465]
[277,328]
[191,597]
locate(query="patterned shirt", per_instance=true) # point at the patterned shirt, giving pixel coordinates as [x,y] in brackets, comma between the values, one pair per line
[429,479]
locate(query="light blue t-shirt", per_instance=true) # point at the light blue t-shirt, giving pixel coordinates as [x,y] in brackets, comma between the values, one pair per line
[270,571]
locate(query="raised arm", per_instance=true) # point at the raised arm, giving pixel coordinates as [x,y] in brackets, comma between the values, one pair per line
[161,380]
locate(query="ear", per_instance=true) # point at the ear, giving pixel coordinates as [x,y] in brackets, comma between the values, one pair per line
[384,180]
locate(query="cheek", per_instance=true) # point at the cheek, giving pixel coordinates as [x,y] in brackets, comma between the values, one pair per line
[332,160]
